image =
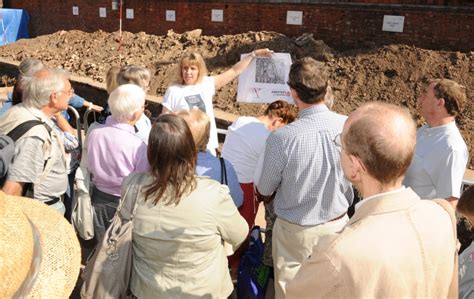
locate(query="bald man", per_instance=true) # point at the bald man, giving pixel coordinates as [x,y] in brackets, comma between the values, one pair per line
[395,245]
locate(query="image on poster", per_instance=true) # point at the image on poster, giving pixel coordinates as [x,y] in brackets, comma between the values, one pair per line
[264,80]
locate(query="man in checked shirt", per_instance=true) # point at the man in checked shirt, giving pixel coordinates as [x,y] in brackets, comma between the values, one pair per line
[302,165]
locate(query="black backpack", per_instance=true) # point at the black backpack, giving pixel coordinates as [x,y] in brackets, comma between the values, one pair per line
[14,135]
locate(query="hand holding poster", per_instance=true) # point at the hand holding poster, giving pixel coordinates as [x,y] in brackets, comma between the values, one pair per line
[264,80]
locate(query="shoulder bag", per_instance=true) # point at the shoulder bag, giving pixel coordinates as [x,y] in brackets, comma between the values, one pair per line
[107,273]
[82,217]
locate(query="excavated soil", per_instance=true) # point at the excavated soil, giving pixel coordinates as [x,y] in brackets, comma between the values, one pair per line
[393,73]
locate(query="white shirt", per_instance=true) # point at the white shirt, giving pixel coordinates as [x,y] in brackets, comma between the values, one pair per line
[143,127]
[185,97]
[439,162]
[244,143]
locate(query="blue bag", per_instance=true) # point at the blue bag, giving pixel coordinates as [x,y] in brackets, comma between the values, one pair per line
[253,275]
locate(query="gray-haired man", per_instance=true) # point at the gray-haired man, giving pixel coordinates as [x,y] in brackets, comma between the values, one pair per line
[39,159]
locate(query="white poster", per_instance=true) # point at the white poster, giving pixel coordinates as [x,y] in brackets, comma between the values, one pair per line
[102,12]
[75,10]
[264,80]
[171,16]
[129,13]
[393,23]
[217,15]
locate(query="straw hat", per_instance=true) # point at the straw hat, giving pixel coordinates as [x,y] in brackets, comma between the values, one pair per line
[39,251]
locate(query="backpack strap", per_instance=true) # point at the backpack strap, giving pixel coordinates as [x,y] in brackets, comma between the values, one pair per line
[24,127]
[16,134]
[453,287]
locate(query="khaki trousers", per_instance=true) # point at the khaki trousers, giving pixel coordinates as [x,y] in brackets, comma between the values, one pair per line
[292,244]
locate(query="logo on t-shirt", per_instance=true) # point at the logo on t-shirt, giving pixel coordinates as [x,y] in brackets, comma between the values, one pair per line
[195,100]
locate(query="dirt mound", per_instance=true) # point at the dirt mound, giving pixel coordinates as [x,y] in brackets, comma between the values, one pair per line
[392,73]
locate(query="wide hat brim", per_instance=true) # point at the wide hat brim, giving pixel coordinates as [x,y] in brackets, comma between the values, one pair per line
[60,253]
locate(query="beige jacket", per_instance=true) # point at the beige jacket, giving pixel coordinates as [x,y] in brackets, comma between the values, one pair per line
[178,249]
[395,246]
[53,148]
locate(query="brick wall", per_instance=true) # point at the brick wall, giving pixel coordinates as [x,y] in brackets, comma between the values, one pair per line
[348,24]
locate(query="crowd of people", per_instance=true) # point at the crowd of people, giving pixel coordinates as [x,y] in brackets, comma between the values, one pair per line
[195,206]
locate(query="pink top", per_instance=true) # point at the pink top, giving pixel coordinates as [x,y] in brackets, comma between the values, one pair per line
[113,152]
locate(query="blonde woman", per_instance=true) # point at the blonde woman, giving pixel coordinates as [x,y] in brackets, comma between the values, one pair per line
[194,88]
[208,164]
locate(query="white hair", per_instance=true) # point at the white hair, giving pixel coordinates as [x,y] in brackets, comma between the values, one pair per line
[39,87]
[125,100]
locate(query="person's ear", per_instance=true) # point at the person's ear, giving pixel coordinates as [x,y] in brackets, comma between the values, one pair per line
[277,122]
[294,94]
[357,168]
[53,98]
[135,116]
[440,103]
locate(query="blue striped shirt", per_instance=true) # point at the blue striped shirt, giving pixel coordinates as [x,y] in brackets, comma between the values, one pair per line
[302,164]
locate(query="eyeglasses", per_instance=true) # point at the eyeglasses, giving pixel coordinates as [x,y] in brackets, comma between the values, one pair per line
[69,92]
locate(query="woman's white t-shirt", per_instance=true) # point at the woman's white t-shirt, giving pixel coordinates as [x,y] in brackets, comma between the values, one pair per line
[244,143]
[185,97]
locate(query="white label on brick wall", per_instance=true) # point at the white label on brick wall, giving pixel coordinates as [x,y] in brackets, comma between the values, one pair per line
[115,5]
[171,16]
[294,17]
[129,14]
[75,10]
[102,12]
[393,23]
[217,15]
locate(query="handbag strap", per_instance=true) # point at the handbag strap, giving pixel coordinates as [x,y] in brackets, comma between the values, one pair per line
[453,287]
[130,192]
[223,171]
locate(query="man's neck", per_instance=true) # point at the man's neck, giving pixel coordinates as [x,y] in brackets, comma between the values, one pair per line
[48,111]
[440,121]
[302,105]
[374,187]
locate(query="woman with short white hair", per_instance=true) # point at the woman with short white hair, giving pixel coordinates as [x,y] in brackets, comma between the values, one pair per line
[114,151]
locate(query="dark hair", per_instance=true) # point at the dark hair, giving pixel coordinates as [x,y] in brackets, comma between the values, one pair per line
[281,109]
[454,95]
[172,156]
[309,79]
[17,95]
[466,202]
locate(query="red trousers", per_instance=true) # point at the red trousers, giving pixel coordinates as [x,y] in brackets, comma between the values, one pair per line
[248,210]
